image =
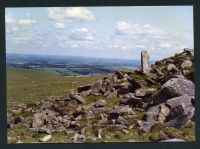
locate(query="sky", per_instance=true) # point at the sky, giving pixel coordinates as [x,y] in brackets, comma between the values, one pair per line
[104,32]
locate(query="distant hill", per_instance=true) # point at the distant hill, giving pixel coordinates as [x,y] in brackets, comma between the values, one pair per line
[69,65]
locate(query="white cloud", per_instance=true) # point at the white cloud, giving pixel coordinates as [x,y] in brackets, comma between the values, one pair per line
[10,18]
[70,14]
[165,45]
[14,28]
[26,22]
[59,25]
[20,39]
[124,28]
[28,14]
[82,34]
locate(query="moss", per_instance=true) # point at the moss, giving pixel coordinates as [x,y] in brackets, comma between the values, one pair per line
[138,116]
[92,99]
[154,137]
[112,102]
[138,76]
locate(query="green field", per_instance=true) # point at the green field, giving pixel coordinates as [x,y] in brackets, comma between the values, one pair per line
[25,85]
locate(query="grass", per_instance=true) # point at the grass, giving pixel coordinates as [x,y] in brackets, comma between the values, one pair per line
[25,85]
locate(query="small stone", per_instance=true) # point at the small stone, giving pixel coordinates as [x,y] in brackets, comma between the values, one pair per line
[45,138]
[38,120]
[186,64]
[140,92]
[119,74]
[84,88]
[77,98]
[163,136]
[173,140]
[171,67]
[100,103]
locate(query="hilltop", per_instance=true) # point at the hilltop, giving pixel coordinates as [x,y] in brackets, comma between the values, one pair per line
[152,103]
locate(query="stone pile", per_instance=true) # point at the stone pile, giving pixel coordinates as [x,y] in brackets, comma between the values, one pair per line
[163,91]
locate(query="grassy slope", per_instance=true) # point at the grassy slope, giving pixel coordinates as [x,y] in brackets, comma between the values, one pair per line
[26,85]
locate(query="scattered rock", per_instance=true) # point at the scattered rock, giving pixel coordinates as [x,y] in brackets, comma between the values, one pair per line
[171,67]
[119,74]
[173,88]
[84,88]
[78,138]
[96,86]
[173,140]
[186,64]
[38,120]
[182,119]
[45,138]
[100,103]
[77,98]
[163,136]
[163,92]
[120,110]
[140,92]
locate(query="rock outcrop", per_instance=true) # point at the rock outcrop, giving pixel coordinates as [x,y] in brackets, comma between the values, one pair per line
[163,92]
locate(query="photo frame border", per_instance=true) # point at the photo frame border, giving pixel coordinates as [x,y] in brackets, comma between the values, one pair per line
[72,3]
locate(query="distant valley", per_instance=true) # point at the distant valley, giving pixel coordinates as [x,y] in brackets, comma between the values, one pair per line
[69,65]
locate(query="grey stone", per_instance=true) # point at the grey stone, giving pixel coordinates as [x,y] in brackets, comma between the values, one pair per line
[163,136]
[84,88]
[38,120]
[130,99]
[173,88]
[145,62]
[77,98]
[78,138]
[189,51]
[185,72]
[104,86]
[176,101]
[173,140]
[182,119]
[186,64]
[96,86]
[120,110]
[111,94]
[45,138]
[10,121]
[136,83]
[100,103]
[145,126]
[140,92]
[119,74]
[69,132]
[171,67]
[121,120]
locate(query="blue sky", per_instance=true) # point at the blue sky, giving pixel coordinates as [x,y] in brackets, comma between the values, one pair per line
[108,32]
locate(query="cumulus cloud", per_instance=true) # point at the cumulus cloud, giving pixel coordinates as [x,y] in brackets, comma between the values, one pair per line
[124,28]
[59,25]
[28,14]
[27,22]
[9,17]
[70,14]
[82,34]
[165,45]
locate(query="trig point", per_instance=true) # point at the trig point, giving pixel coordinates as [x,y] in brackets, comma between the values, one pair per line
[145,66]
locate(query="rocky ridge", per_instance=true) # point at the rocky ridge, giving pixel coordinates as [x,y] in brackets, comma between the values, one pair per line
[163,94]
